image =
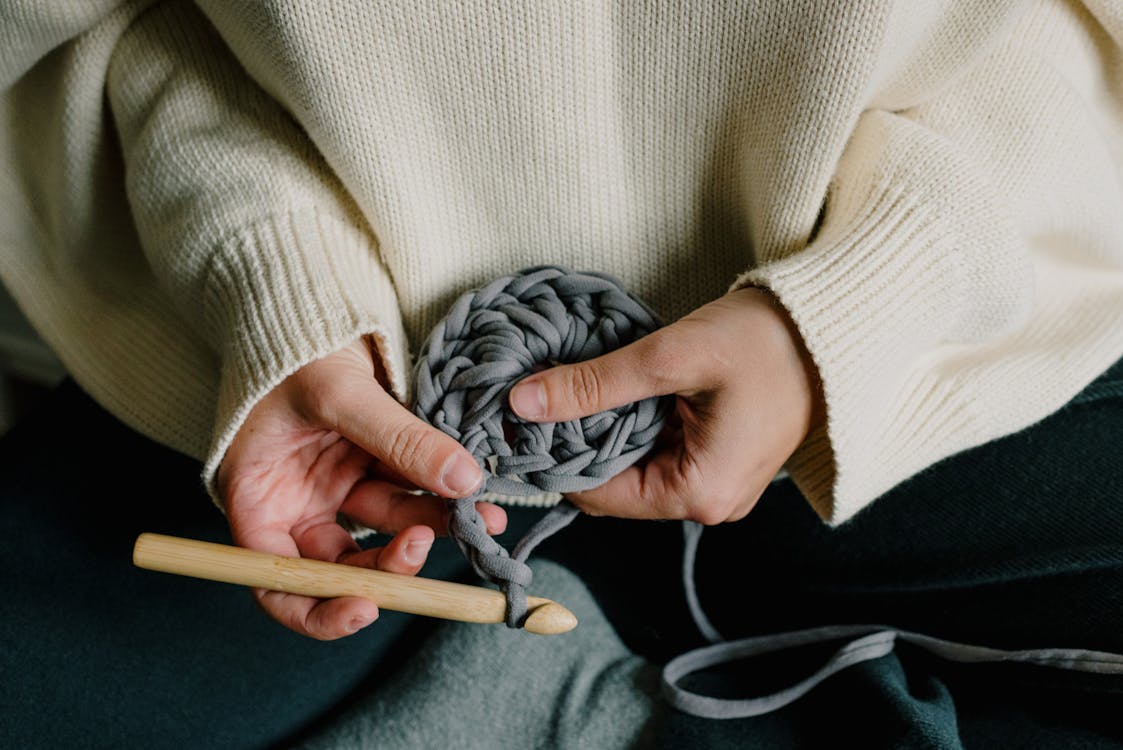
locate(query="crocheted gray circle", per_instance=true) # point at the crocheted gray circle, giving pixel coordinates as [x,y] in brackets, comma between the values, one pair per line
[490,339]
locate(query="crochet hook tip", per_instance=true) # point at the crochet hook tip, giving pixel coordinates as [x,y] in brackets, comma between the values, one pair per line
[550,618]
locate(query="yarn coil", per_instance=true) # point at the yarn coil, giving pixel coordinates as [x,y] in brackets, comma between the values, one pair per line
[490,339]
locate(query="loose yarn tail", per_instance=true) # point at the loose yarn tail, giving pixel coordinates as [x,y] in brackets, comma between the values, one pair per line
[492,562]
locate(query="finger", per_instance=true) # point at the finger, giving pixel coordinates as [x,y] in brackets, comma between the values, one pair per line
[644,368]
[324,540]
[305,615]
[714,474]
[324,620]
[390,509]
[648,491]
[420,453]
[405,553]
[387,473]
[334,618]
[495,517]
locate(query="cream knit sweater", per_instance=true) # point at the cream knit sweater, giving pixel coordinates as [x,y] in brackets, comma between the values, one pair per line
[198,198]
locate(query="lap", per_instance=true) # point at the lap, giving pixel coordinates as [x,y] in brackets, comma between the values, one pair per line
[951,553]
[1019,541]
[1016,544]
[99,653]
[1013,544]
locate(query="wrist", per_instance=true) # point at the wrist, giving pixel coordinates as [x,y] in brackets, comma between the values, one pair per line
[779,333]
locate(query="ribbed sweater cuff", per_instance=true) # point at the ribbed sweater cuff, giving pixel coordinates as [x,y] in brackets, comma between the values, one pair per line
[285,292]
[872,300]
[918,260]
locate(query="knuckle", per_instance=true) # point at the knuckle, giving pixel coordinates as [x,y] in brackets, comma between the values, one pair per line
[585,386]
[660,358]
[292,618]
[294,622]
[311,625]
[714,506]
[409,450]
[728,504]
[708,514]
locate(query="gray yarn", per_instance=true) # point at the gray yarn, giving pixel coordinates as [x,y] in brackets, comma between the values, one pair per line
[869,642]
[691,537]
[491,338]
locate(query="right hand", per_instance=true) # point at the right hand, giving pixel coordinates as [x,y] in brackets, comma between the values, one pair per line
[330,439]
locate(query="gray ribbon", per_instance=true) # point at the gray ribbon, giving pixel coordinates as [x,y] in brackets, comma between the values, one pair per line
[491,338]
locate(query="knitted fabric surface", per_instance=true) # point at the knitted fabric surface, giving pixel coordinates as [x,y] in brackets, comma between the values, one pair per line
[491,338]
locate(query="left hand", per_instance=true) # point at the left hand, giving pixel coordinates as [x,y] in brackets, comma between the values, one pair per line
[747,395]
[331,439]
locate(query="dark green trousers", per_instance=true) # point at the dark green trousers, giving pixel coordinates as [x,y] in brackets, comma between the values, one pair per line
[99,654]
[1016,544]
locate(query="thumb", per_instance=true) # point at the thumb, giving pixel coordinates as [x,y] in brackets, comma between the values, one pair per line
[358,408]
[419,452]
[643,369]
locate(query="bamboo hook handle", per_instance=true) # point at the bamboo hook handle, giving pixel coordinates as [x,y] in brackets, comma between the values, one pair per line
[419,596]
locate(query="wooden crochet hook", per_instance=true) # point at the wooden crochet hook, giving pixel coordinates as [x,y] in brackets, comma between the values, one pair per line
[295,575]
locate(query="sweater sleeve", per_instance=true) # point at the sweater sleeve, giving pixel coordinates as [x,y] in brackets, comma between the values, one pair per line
[245,228]
[29,31]
[966,276]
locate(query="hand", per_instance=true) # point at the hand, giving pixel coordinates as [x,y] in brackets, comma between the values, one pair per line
[330,439]
[747,396]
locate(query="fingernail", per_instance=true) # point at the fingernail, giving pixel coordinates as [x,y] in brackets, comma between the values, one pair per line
[462,476]
[416,551]
[529,400]
[358,623]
